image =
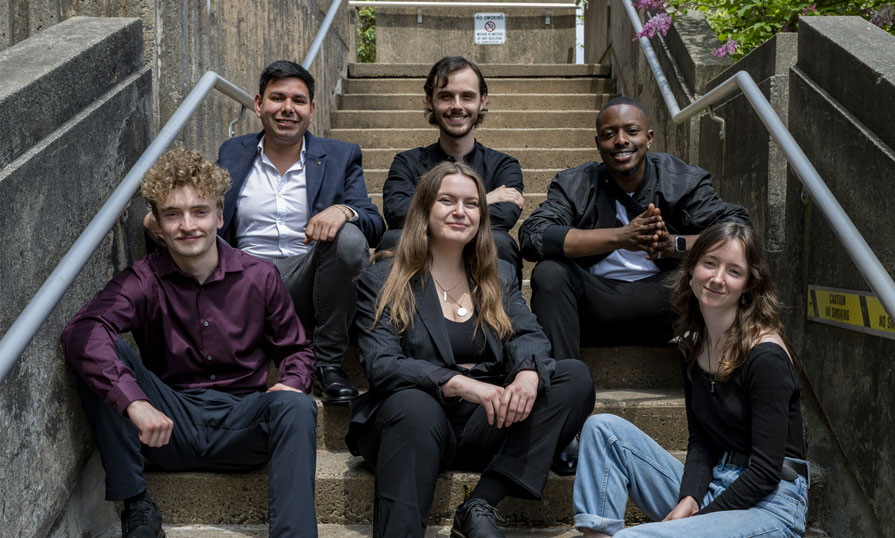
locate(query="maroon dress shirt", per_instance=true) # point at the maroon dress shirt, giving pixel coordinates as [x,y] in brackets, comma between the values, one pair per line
[220,334]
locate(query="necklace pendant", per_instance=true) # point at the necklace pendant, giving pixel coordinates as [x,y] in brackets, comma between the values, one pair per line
[445,295]
[712,389]
[461,311]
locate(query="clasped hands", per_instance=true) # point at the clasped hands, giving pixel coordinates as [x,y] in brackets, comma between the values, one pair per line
[647,233]
[503,405]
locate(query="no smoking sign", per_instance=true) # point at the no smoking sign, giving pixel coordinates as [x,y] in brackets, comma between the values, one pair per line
[490,29]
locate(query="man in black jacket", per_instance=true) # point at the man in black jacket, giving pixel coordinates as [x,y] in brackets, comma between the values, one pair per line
[456,97]
[608,232]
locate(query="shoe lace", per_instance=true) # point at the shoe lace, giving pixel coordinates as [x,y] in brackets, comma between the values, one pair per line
[481,507]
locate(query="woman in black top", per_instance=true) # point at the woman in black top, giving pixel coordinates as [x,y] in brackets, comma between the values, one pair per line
[459,369]
[745,473]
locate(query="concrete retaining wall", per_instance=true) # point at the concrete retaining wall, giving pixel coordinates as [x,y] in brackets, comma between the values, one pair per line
[830,84]
[451,32]
[182,40]
[77,102]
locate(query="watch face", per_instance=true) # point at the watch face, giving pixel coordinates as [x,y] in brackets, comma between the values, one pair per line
[680,244]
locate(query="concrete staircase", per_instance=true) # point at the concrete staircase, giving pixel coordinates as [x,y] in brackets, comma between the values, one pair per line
[544,116]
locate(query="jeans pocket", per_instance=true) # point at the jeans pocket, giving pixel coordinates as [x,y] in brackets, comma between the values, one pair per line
[789,504]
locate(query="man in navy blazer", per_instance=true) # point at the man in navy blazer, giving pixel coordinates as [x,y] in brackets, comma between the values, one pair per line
[301,202]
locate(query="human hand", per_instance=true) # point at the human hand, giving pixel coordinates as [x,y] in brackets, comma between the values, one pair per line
[643,232]
[153,229]
[325,225]
[686,508]
[478,392]
[155,427]
[506,194]
[280,386]
[518,398]
[663,248]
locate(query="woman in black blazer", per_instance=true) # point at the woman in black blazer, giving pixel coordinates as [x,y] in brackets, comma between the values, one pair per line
[459,369]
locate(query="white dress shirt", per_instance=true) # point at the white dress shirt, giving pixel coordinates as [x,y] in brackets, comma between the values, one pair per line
[272,209]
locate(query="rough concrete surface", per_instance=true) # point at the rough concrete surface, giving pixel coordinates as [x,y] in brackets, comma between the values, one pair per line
[50,191]
[446,31]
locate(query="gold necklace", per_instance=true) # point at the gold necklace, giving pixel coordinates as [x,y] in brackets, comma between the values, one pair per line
[461,310]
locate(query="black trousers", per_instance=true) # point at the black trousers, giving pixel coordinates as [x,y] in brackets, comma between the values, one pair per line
[216,431]
[507,248]
[413,437]
[577,308]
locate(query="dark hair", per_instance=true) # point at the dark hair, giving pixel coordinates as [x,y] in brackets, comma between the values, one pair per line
[281,69]
[757,312]
[438,78]
[617,101]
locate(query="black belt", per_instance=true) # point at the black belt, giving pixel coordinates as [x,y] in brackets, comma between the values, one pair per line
[791,469]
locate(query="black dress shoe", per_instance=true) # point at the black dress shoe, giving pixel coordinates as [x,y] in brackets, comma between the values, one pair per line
[566,461]
[141,519]
[476,519]
[333,385]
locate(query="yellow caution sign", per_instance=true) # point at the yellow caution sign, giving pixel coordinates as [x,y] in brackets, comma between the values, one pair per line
[849,309]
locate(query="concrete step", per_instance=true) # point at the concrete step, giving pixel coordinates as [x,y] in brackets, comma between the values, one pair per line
[344,496]
[414,119]
[535,179]
[539,85]
[528,157]
[377,70]
[659,412]
[582,137]
[496,101]
[341,531]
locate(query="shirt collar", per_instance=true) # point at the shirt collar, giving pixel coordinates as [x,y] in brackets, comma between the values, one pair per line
[228,262]
[301,157]
[439,155]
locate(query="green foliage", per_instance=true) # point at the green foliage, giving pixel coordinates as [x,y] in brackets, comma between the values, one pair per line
[366,35]
[752,22]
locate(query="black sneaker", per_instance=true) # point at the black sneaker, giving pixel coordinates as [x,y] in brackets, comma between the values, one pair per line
[141,519]
[476,519]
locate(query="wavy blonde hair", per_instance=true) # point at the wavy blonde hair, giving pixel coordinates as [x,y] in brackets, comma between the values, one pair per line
[757,311]
[412,260]
[179,167]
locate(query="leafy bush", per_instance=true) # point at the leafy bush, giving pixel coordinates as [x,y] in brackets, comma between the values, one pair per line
[742,25]
[366,35]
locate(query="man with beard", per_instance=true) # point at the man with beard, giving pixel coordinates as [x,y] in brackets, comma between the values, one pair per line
[456,98]
[608,232]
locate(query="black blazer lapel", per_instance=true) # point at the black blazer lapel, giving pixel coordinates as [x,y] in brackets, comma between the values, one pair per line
[429,310]
[315,166]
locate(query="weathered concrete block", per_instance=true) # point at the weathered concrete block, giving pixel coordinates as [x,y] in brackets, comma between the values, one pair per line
[43,82]
[830,47]
[49,193]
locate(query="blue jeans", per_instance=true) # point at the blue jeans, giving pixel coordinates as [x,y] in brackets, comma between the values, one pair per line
[617,459]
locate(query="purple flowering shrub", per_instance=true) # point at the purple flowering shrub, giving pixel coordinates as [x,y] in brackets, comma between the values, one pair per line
[742,25]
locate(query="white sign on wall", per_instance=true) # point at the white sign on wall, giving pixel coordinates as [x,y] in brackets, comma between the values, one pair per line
[490,29]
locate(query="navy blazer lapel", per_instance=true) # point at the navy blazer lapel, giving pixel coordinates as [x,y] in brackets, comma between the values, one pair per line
[315,166]
[238,165]
[429,310]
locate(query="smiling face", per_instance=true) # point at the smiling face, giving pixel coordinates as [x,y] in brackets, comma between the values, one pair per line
[623,139]
[455,215]
[720,277]
[456,106]
[189,223]
[286,111]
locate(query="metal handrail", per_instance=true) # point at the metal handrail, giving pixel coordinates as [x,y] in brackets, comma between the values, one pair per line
[857,248]
[374,3]
[25,327]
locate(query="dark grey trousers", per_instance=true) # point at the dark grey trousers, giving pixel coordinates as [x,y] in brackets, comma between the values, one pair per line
[216,431]
[413,437]
[321,284]
[577,308]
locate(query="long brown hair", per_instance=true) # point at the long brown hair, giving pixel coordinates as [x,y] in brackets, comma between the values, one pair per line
[412,260]
[757,312]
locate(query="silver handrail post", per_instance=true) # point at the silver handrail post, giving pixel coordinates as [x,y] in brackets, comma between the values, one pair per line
[22,331]
[321,34]
[857,248]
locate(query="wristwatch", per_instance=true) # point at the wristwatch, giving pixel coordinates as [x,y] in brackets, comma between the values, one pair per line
[680,243]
